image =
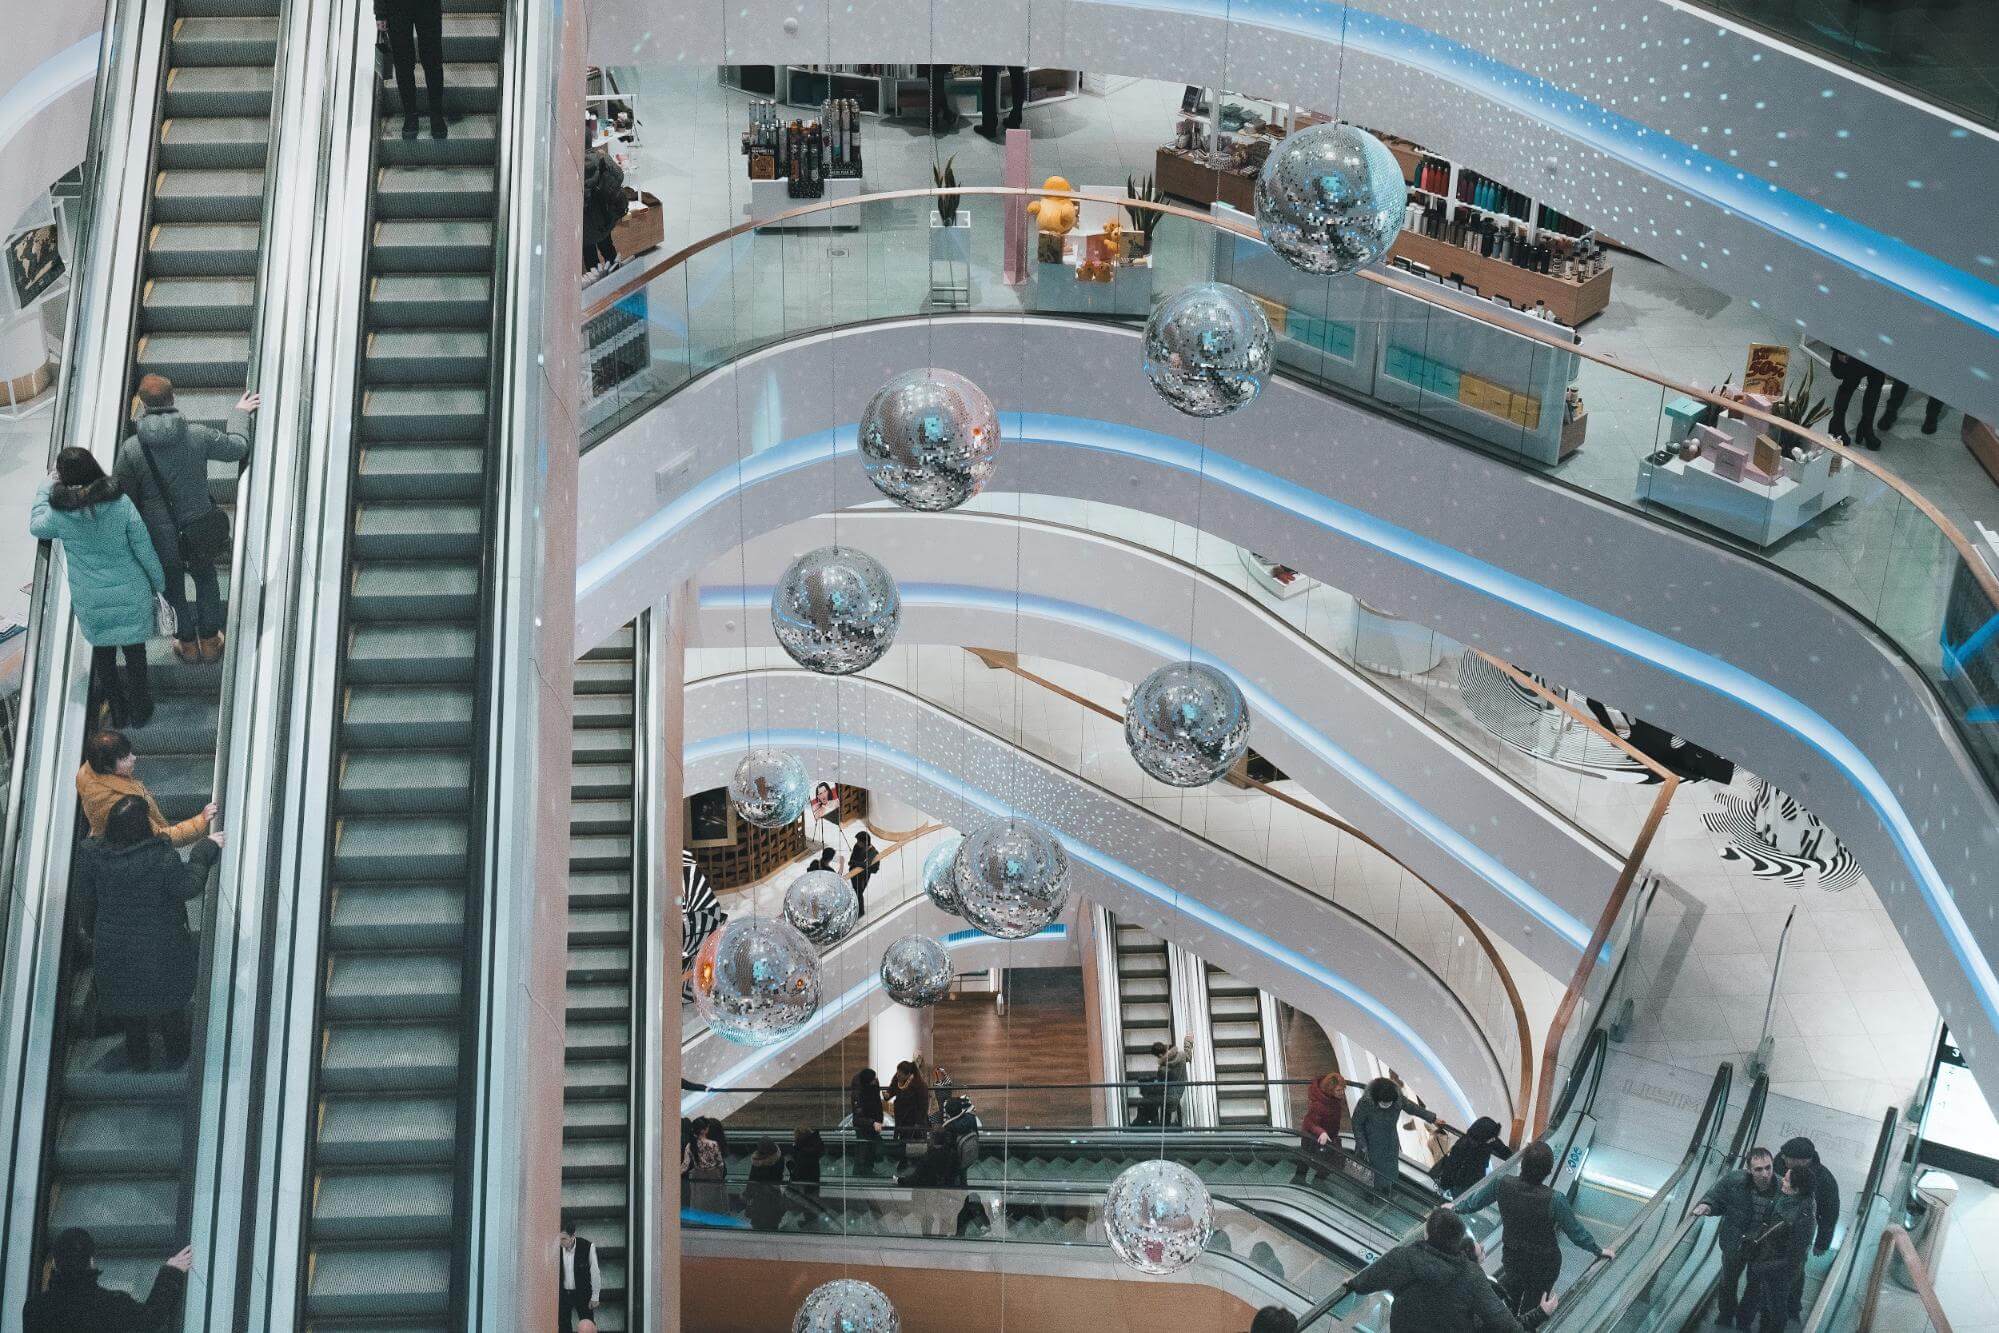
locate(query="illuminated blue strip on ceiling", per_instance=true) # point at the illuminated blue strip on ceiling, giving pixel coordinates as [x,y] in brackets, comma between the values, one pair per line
[1109,866]
[1263,705]
[1837,237]
[1563,612]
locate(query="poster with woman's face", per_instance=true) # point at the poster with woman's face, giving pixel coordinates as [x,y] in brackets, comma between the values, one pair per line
[33,263]
[825,800]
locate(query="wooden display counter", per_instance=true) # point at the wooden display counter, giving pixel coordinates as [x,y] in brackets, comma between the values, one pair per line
[1184,176]
[1983,442]
[1570,302]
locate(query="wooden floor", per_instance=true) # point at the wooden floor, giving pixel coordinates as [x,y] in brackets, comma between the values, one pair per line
[1307,1053]
[1040,1039]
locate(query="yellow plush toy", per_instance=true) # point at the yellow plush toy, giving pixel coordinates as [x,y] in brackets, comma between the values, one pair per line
[1054,218]
[1113,239]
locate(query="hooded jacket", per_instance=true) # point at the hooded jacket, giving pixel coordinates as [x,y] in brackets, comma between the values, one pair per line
[1825,1190]
[131,897]
[1465,1164]
[601,175]
[77,1304]
[1437,1292]
[182,450]
[113,572]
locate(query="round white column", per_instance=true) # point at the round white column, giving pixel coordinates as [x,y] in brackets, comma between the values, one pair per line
[899,1034]
[890,818]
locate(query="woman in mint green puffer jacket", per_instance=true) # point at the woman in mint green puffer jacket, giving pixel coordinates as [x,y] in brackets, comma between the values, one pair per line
[114,575]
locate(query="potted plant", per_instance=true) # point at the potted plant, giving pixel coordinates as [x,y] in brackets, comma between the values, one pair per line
[1138,242]
[950,242]
[1798,408]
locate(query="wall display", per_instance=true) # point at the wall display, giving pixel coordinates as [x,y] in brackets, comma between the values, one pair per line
[711,819]
[804,154]
[825,801]
[33,263]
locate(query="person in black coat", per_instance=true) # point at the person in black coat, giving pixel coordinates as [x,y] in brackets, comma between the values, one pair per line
[763,1196]
[1852,372]
[130,889]
[808,1151]
[1465,1164]
[862,862]
[1802,1152]
[865,1104]
[1742,1200]
[1438,1290]
[415,28]
[74,1303]
[604,203]
[989,98]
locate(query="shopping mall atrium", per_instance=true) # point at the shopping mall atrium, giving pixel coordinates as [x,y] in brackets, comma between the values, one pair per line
[1225,666]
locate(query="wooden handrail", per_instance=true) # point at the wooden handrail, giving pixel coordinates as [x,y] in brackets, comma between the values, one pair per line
[1415,288]
[1896,1239]
[1005,661]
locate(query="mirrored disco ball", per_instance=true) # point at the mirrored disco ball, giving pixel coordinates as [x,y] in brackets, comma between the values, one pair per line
[1330,199]
[823,905]
[756,981]
[927,439]
[1013,877]
[770,788]
[1158,1216]
[846,1305]
[916,971]
[940,875]
[1207,349]
[1186,724]
[835,611]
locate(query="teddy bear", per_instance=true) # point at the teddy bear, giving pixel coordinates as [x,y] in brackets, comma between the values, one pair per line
[1054,218]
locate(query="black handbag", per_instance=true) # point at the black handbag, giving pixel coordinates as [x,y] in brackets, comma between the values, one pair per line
[205,538]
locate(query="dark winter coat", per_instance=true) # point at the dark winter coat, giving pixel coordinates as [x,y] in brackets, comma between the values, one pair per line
[866,1105]
[131,900]
[1325,1110]
[1465,1164]
[113,572]
[85,1307]
[1375,1138]
[1741,1207]
[1437,1292]
[601,176]
[1781,1257]
[181,449]
[1825,1190]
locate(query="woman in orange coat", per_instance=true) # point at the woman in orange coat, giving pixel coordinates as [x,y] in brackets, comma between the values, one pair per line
[1319,1132]
[106,778]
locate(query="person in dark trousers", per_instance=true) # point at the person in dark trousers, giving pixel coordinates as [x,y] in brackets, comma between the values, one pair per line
[911,1103]
[1802,1152]
[73,1302]
[864,1103]
[808,1153]
[164,468]
[1374,1133]
[130,887]
[1437,1289]
[415,28]
[604,203]
[862,862]
[1466,1163]
[1274,1319]
[943,116]
[1742,1200]
[578,1282]
[1777,1252]
[1319,1131]
[1851,372]
[1898,393]
[113,575]
[1532,1216]
[763,1197]
[1016,76]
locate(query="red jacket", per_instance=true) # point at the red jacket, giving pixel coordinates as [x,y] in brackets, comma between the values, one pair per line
[1326,1112]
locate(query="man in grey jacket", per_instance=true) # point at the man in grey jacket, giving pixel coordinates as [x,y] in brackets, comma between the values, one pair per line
[164,468]
[1742,1200]
[1374,1134]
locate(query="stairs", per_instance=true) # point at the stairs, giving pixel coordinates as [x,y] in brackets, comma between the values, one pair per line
[596,1134]
[118,1167]
[1145,1003]
[1235,1022]
[383,1231]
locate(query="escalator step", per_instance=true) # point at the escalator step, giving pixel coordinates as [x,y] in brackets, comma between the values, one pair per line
[603,710]
[413,655]
[404,781]
[606,963]
[600,853]
[224,41]
[594,1159]
[591,818]
[421,472]
[597,925]
[432,591]
[374,847]
[401,1131]
[226,8]
[181,725]
[191,250]
[434,192]
[193,360]
[393,986]
[595,1075]
[396,915]
[441,245]
[474,36]
[597,1001]
[413,414]
[608,886]
[209,143]
[600,1041]
[599,780]
[380,1283]
[379,716]
[121,1137]
[608,675]
[474,141]
[381,1205]
[596,1118]
[602,737]
[427,356]
[389,1057]
[94,1070]
[234,91]
[190,305]
[119,1213]
[619,647]
[416,531]
[467,87]
[430,300]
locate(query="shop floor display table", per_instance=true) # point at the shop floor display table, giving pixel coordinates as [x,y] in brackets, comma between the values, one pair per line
[770,198]
[1754,512]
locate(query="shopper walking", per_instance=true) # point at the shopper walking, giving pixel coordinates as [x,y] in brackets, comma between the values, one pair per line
[864,1105]
[130,887]
[943,116]
[1319,1131]
[604,203]
[578,1279]
[989,123]
[1466,1162]
[114,575]
[1777,1252]
[862,863]
[415,29]
[1437,1289]
[164,468]
[1742,1200]
[73,1302]
[108,776]
[1898,393]
[1531,1214]
[1374,1134]
[706,1168]
[763,1196]
[1824,1196]
[1852,372]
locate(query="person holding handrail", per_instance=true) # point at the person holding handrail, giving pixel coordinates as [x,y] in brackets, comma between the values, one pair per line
[1742,1200]
[1531,1213]
[1319,1131]
[1438,1289]
[1374,1132]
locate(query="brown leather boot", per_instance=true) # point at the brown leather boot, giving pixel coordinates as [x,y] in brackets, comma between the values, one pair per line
[211,647]
[187,650]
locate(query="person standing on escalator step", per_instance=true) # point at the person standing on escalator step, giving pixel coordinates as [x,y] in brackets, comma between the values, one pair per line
[415,29]
[1319,1131]
[1374,1132]
[862,862]
[1437,1289]
[1531,1214]
[1803,1153]
[1742,1200]
[74,1302]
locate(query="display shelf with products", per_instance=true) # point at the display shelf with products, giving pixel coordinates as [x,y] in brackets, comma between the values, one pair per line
[1220,142]
[1280,581]
[1728,473]
[1090,268]
[791,161]
[877,89]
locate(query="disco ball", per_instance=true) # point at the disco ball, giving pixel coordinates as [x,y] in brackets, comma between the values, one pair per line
[916,971]
[823,905]
[1186,724]
[756,981]
[1330,199]
[846,1305]
[835,610]
[770,788]
[1013,878]
[1158,1216]
[1207,349]
[940,876]
[927,439]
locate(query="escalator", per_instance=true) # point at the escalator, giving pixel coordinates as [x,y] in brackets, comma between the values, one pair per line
[596,1095]
[1145,1003]
[386,1206]
[118,1161]
[1242,1028]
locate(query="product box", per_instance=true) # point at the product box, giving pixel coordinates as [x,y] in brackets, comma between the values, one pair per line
[1684,413]
[1278,314]
[642,228]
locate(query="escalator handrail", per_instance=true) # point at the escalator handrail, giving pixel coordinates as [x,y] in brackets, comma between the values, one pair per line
[1838,1279]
